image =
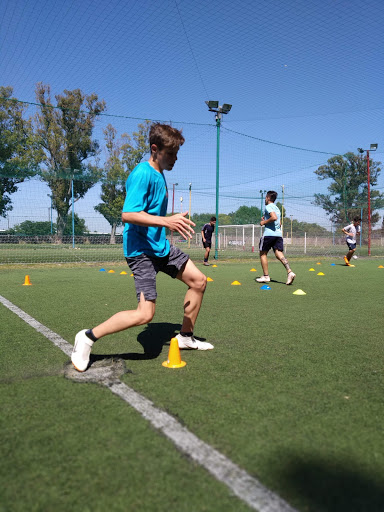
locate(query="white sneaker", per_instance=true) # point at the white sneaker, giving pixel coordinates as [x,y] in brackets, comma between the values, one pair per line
[263,279]
[291,276]
[81,351]
[189,342]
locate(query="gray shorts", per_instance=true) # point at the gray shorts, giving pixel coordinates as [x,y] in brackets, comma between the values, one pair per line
[145,269]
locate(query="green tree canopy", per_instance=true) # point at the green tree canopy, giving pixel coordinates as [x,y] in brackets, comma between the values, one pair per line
[123,156]
[34,228]
[246,215]
[70,153]
[19,154]
[348,190]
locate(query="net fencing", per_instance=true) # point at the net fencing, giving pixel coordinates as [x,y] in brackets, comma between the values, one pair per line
[248,167]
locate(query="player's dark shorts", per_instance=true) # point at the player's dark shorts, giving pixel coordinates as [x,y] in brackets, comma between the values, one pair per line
[145,269]
[271,242]
[206,244]
[351,246]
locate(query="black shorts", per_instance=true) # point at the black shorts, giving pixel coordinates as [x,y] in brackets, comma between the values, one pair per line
[271,242]
[145,269]
[351,247]
[207,244]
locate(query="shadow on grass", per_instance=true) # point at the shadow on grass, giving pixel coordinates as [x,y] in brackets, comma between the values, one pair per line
[334,489]
[152,339]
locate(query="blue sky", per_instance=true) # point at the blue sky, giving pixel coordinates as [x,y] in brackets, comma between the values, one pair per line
[299,73]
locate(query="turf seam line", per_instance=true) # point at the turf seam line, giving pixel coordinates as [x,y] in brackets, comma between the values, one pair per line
[243,485]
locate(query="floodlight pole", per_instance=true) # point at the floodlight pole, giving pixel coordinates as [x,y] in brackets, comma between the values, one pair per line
[173,205]
[372,148]
[218,124]
[213,106]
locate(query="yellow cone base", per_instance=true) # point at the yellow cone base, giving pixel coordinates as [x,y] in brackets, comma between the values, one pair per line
[320,274]
[311,270]
[209,279]
[299,292]
[380,266]
[253,270]
[111,271]
[236,283]
[27,281]
[174,359]
[123,273]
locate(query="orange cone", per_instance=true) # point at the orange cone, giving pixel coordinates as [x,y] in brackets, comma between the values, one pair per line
[174,359]
[27,282]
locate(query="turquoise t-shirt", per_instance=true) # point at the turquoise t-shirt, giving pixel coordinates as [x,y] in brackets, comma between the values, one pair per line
[272,228]
[146,191]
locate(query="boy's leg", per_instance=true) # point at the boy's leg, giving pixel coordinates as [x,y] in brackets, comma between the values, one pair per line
[196,282]
[120,321]
[349,255]
[206,255]
[290,275]
[264,265]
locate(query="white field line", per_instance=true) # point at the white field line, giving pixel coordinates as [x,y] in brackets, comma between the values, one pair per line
[240,483]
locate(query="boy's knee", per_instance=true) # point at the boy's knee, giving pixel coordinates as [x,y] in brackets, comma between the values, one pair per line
[145,317]
[200,283]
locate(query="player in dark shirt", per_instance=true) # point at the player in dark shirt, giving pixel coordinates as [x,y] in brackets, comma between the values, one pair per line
[206,235]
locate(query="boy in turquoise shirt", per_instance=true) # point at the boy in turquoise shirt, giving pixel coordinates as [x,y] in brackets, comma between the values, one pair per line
[272,239]
[147,250]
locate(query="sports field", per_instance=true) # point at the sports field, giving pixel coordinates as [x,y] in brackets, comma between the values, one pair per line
[292,393]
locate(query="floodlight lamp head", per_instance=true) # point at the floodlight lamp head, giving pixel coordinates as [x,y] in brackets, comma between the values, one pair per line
[226,108]
[374,147]
[212,104]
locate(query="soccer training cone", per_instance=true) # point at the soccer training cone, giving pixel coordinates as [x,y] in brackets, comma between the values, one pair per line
[299,292]
[174,359]
[236,283]
[27,281]
[320,274]
[311,270]
[380,266]
[123,273]
[209,279]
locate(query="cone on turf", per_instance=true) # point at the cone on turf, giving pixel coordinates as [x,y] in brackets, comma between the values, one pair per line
[320,274]
[123,273]
[209,279]
[380,266]
[174,359]
[214,266]
[236,283]
[253,270]
[311,270]
[27,281]
[299,292]
[265,287]
[111,271]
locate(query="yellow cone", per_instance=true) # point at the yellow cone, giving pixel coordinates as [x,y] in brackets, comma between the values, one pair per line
[236,283]
[123,273]
[380,266]
[111,271]
[27,281]
[299,292]
[320,274]
[253,270]
[209,279]
[174,359]
[318,263]
[131,275]
[311,270]
[214,266]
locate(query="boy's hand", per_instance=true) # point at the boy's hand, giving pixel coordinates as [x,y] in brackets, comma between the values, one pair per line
[180,224]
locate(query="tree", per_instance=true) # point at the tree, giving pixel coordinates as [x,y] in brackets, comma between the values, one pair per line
[246,215]
[80,227]
[348,192]
[19,154]
[123,156]
[70,154]
[31,228]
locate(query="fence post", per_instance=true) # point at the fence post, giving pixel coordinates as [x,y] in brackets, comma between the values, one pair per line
[305,243]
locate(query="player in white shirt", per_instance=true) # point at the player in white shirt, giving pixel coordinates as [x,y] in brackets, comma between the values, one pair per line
[351,231]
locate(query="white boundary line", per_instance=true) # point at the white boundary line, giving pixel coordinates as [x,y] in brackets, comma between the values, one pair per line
[244,486]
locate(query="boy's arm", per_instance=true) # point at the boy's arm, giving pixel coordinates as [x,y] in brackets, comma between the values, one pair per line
[272,217]
[177,222]
[345,232]
[202,235]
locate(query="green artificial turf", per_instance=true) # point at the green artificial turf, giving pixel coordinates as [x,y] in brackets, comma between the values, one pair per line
[292,392]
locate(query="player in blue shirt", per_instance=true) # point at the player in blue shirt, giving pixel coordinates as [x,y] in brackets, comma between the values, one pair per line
[272,239]
[206,236]
[148,251]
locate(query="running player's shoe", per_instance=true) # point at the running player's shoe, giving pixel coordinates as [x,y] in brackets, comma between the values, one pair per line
[291,276]
[81,351]
[346,261]
[191,343]
[263,279]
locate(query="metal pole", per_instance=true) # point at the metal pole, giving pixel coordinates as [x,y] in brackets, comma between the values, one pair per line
[173,207]
[218,123]
[73,217]
[369,205]
[282,213]
[189,212]
[361,225]
[51,217]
